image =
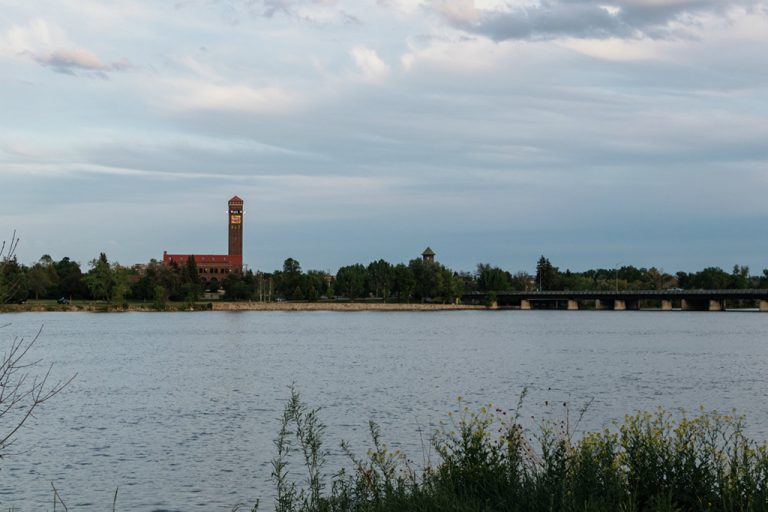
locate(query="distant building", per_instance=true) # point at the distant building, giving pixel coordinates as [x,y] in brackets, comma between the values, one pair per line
[428,255]
[217,266]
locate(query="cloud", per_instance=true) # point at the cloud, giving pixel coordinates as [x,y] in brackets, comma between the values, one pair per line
[594,19]
[70,61]
[48,45]
[78,61]
[369,63]
[272,7]
[37,34]
[308,10]
[199,95]
[73,58]
[459,11]
[616,49]
[606,104]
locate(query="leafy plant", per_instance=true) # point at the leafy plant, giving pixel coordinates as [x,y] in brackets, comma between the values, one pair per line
[651,462]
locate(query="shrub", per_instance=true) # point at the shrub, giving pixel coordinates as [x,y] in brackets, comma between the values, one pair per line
[650,462]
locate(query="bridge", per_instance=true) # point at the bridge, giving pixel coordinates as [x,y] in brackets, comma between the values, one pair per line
[665,300]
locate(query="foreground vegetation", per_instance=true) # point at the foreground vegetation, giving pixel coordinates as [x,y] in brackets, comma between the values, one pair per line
[488,462]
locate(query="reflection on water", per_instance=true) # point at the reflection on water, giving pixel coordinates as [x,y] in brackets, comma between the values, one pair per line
[179,410]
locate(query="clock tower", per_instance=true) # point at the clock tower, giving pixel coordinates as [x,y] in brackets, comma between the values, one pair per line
[236,231]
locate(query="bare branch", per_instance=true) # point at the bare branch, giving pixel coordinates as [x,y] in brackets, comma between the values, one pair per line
[22,390]
[19,398]
[57,497]
[7,253]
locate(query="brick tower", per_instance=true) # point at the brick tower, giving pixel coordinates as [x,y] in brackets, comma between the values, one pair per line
[236,232]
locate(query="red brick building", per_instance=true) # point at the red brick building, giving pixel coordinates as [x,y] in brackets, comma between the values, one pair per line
[217,266]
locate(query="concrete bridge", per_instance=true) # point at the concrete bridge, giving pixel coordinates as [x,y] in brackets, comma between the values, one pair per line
[666,300]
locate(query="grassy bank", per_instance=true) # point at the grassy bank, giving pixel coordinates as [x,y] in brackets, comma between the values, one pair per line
[36,306]
[488,462]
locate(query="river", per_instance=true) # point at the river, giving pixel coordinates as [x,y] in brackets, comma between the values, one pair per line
[179,410]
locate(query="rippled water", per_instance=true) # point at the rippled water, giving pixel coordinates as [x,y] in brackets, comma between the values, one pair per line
[179,410]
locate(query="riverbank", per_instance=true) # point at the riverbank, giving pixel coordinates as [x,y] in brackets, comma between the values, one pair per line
[337,306]
[86,306]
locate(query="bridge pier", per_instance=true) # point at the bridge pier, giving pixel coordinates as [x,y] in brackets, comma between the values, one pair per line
[630,300]
[602,305]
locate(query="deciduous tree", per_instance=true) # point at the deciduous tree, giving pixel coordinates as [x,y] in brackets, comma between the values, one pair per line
[100,278]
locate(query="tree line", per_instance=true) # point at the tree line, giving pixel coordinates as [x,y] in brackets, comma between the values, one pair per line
[416,281]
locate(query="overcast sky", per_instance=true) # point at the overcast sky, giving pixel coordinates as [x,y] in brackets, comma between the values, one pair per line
[594,132]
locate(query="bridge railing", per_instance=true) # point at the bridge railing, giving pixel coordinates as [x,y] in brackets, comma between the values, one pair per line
[638,294]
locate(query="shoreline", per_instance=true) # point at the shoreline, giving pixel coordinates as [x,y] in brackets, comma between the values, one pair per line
[235,306]
[337,306]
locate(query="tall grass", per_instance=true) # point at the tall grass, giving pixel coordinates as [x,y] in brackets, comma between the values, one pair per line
[488,462]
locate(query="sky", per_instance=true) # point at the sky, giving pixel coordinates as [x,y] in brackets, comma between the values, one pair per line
[596,133]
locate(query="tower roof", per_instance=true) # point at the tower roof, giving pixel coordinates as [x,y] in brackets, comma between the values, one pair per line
[428,252]
[235,200]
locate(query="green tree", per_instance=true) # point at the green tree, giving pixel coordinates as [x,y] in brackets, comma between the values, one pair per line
[121,287]
[684,280]
[710,278]
[656,279]
[433,281]
[13,281]
[190,274]
[466,281]
[449,286]
[144,288]
[315,284]
[8,285]
[739,278]
[236,288]
[379,275]
[492,279]
[71,283]
[169,277]
[249,280]
[522,281]
[576,281]
[41,278]
[403,282]
[350,281]
[100,278]
[289,281]
[292,266]
[160,297]
[190,284]
[546,275]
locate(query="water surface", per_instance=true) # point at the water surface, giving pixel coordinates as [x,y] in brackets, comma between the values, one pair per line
[179,410]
